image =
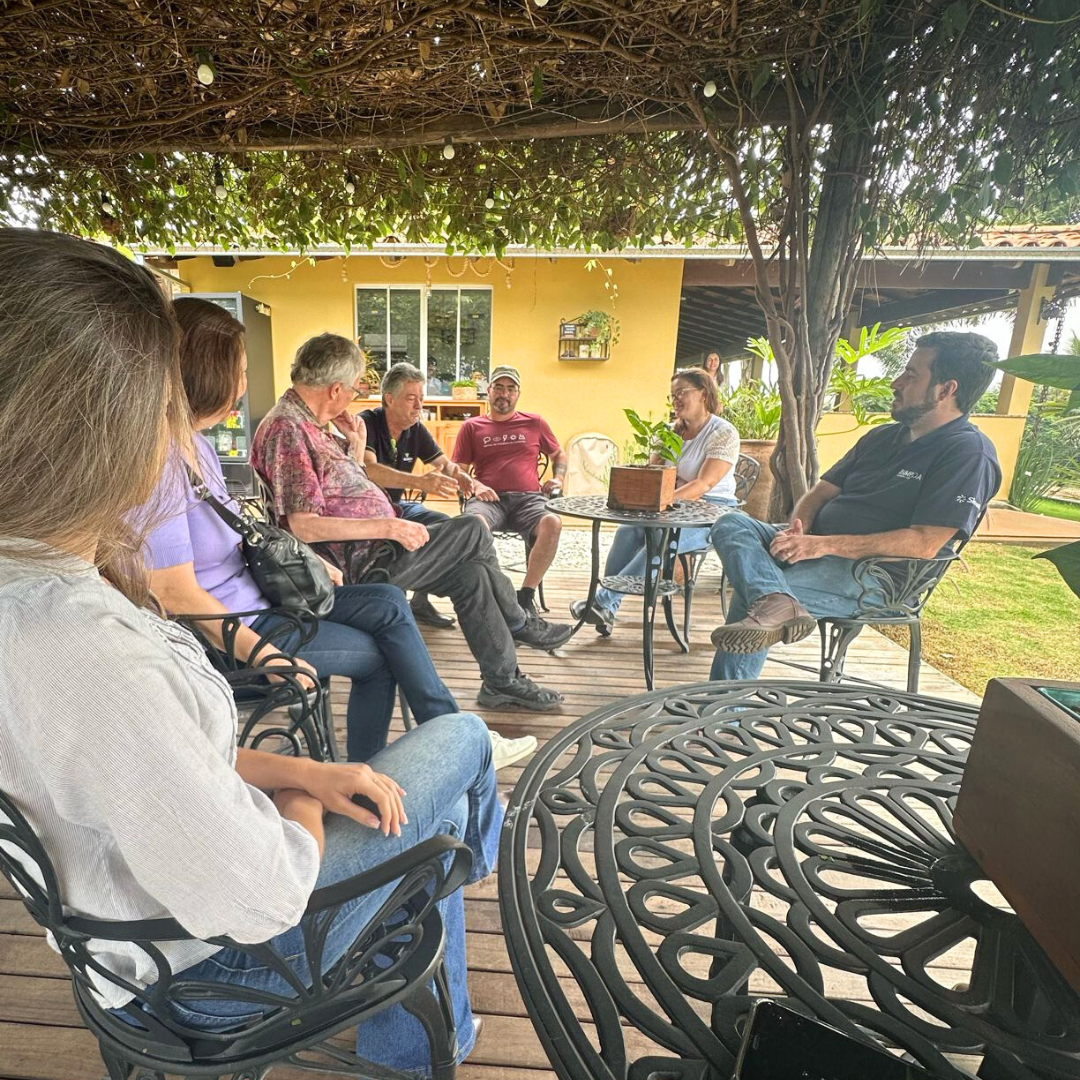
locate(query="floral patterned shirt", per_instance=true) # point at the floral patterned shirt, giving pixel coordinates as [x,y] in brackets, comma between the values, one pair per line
[310,472]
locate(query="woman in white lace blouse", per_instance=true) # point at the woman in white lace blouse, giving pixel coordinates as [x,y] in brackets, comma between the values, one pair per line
[705,470]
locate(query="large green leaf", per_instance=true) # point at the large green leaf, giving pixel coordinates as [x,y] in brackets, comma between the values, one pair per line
[1067,560]
[1048,369]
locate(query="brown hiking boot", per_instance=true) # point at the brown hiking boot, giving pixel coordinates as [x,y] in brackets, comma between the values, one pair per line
[771,618]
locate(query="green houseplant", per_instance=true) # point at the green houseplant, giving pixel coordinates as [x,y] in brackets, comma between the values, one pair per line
[647,481]
[601,326]
[463,389]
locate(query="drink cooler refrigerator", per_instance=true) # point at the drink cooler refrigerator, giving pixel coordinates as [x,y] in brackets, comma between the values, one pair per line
[232,439]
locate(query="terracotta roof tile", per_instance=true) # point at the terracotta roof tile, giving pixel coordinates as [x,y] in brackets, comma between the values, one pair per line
[1033,236]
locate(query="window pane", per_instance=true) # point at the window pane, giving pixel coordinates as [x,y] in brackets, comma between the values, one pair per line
[475,331]
[405,326]
[441,341]
[371,324]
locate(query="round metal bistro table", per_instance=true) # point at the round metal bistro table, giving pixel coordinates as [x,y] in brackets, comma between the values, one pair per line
[661,541]
[673,856]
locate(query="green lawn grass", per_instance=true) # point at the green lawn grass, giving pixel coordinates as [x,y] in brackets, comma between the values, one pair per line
[1001,613]
[1057,508]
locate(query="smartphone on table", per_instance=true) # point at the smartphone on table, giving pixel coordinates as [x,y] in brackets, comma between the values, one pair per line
[781,1044]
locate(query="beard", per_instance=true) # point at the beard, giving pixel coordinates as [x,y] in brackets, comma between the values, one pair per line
[908,414]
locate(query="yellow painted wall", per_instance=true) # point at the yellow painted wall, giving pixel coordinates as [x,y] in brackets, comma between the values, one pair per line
[574,396]
[837,434]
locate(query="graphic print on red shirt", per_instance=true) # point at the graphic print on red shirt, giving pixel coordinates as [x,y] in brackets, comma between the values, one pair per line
[503,453]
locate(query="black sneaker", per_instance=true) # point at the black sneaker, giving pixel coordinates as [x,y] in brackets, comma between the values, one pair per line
[538,633]
[425,611]
[604,621]
[521,692]
[528,606]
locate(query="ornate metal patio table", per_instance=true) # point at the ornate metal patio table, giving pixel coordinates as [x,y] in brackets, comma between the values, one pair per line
[661,541]
[670,857]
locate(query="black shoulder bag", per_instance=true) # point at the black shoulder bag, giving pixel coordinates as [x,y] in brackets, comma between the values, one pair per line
[289,574]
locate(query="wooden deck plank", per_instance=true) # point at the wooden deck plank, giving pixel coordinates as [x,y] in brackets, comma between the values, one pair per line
[40,1034]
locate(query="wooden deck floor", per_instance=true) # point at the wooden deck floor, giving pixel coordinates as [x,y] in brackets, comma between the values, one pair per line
[40,1034]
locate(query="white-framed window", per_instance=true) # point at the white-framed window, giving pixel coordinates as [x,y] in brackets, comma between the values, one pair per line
[445,330]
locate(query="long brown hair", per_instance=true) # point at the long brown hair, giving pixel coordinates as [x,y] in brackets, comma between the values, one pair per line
[89,399]
[211,354]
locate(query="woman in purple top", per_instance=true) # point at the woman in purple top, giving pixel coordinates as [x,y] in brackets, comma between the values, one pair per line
[197,566]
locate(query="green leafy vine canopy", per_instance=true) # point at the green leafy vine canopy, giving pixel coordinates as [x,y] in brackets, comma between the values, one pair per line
[283,124]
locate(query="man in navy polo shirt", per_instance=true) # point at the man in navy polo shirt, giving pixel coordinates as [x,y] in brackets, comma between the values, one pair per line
[905,489]
[396,440]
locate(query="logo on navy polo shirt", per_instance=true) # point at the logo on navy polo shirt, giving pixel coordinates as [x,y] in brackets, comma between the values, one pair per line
[908,474]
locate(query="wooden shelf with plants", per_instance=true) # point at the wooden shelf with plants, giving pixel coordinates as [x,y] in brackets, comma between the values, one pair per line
[588,337]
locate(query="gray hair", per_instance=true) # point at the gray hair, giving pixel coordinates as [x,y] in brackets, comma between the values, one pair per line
[398,376]
[325,360]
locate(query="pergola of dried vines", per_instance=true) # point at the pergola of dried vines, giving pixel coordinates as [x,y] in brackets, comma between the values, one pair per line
[834,124]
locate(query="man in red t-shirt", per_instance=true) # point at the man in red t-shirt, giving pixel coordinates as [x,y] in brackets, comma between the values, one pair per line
[503,449]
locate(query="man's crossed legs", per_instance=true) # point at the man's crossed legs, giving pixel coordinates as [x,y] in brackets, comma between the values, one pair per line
[459,561]
[771,602]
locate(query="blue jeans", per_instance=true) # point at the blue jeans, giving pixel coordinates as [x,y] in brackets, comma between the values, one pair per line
[627,555]
[824,586]
[418,512]
[445,769]
[371,638]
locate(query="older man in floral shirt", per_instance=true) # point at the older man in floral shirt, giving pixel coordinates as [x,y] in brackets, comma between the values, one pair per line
[323,494]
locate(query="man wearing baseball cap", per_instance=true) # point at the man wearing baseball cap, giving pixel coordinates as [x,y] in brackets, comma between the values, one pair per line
[502,449]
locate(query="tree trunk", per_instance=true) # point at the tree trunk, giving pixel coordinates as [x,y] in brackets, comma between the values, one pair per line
[822,264]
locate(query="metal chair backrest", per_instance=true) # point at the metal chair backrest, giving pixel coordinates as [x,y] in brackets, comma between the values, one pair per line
[405,930]
[265,494]
[747,470]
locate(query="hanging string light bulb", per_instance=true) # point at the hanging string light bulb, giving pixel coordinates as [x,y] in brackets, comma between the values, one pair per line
[709,89]
[489,202]
[107,206]
[448,150]
[205,71]
[350,184]
[540,3]
[221,192]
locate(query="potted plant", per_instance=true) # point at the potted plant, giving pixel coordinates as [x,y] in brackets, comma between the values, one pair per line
[647,482]
[600,327]
[754,408]
[463,389]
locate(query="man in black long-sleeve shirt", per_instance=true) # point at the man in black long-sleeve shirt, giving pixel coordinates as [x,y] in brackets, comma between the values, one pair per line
[906,489]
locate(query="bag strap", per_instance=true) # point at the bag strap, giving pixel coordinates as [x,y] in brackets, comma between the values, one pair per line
[235,521]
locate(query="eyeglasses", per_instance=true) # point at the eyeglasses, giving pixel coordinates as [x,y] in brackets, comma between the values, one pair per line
[359,395]
[678,395]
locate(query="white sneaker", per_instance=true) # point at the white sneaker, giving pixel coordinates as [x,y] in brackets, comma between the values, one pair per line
[508,751]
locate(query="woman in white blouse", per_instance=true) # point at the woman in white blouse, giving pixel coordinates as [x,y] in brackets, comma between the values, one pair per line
[705,470]
[117,738]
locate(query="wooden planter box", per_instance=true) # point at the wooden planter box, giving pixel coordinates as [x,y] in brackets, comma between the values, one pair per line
[1018,812]
[463,393]
[641,487]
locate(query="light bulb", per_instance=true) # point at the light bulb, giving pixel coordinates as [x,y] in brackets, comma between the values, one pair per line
[220,192]
[709,89]
[205,73]
[448,150]
[540,3]
[489,203]
[107,207]
[350,187]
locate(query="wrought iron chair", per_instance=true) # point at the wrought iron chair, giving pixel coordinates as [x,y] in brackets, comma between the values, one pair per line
[747,470]
[311,724]
[393,959]
[543,462]
[893,592]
